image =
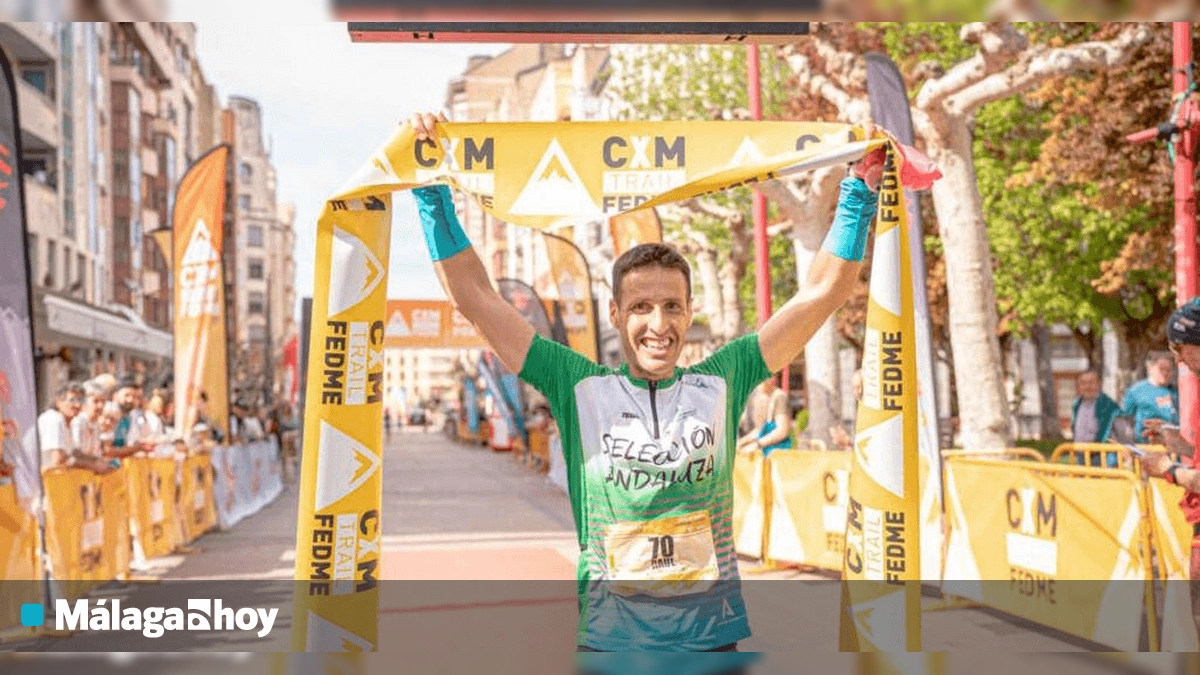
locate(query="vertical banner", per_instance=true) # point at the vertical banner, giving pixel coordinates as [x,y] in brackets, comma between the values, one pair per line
[200,339]
[526,301]
[18,388]
[305,338]
[568,280]
[881,592]
[338,527]
[890,110]
[636,227]
[291,370]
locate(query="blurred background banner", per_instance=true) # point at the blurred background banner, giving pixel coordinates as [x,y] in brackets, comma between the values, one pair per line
[18,397]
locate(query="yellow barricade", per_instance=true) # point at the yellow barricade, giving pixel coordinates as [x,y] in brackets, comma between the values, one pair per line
[749,512]
[87,528]
[1173,548]
[1027,526]
[151,485]
[198,510]
[1108,455]
[18,558]
[809,497]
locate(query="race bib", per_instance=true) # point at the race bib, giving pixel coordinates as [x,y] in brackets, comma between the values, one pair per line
[666,557]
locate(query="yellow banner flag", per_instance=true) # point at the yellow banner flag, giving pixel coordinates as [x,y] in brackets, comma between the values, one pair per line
[529,173]
[429,323]
[198,246]
[881,588]
[568,281]
[636,227]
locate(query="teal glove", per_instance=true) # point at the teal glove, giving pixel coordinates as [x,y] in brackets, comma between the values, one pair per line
[444,235]
[847,238]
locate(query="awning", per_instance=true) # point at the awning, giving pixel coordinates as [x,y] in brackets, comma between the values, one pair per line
[96,327]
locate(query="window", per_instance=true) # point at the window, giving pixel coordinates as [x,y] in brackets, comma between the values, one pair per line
[67,260]
[256,302]
[246,172]
[38,78]
[244,202]
[51,263]
[81,271]
[256,268]
[257,333]
[254,235]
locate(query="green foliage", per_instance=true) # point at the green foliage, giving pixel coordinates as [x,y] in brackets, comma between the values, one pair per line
[1047,244]
[784,283]
[693,82]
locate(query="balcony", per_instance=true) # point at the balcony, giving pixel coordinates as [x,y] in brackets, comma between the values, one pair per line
[156,48]
[149,161]
[150,220]
[29,41]
[162,126]
[42,208]
[39,123]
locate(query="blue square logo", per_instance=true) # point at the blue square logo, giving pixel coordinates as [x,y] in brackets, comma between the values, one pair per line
[32,614]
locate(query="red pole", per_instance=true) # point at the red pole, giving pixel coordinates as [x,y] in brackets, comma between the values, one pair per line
[762,253]
[1185,219]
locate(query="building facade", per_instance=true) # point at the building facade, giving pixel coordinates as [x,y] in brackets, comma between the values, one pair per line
[112,115]
[263,237]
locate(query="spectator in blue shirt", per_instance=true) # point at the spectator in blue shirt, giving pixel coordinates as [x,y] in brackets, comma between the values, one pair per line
[1154,397]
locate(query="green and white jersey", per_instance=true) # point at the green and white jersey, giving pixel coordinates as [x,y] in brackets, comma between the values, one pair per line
[650,477]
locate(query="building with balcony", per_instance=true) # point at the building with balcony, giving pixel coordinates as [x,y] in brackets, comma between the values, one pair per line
[264,297]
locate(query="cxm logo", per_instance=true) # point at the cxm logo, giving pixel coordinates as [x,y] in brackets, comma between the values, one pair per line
[1032,513]
[1031,545]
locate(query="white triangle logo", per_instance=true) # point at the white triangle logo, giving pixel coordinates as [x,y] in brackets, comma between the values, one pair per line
[397,327]
[747,153]
[554,189]
[200,250]
[880,622]
[323,635]
[354,272]
[343,465]
[726,610]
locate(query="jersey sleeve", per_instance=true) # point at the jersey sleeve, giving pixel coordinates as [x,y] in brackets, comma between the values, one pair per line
[740,363]
[555,369]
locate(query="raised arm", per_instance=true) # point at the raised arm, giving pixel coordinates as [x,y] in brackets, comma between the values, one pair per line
[462,272]
[834,270]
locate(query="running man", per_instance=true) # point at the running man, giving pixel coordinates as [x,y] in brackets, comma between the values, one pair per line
[650,447]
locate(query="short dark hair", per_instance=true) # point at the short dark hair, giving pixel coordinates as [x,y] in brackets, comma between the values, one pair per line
[649,255]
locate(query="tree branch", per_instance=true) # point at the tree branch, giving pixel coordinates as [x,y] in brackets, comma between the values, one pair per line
[712,209]
[1042,63]
[850,108]
[999,45]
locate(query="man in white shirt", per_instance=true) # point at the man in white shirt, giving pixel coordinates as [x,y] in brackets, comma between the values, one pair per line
[54,432]
[85,428]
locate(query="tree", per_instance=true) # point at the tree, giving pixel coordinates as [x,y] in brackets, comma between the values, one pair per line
[992,62]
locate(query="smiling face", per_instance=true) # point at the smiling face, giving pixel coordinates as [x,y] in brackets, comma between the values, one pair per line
[652,313]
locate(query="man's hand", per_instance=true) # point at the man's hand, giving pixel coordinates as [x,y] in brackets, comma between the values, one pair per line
[870,167]
[1155,464]
[425,125]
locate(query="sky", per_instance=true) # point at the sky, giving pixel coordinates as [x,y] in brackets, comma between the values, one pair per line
[327,106]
